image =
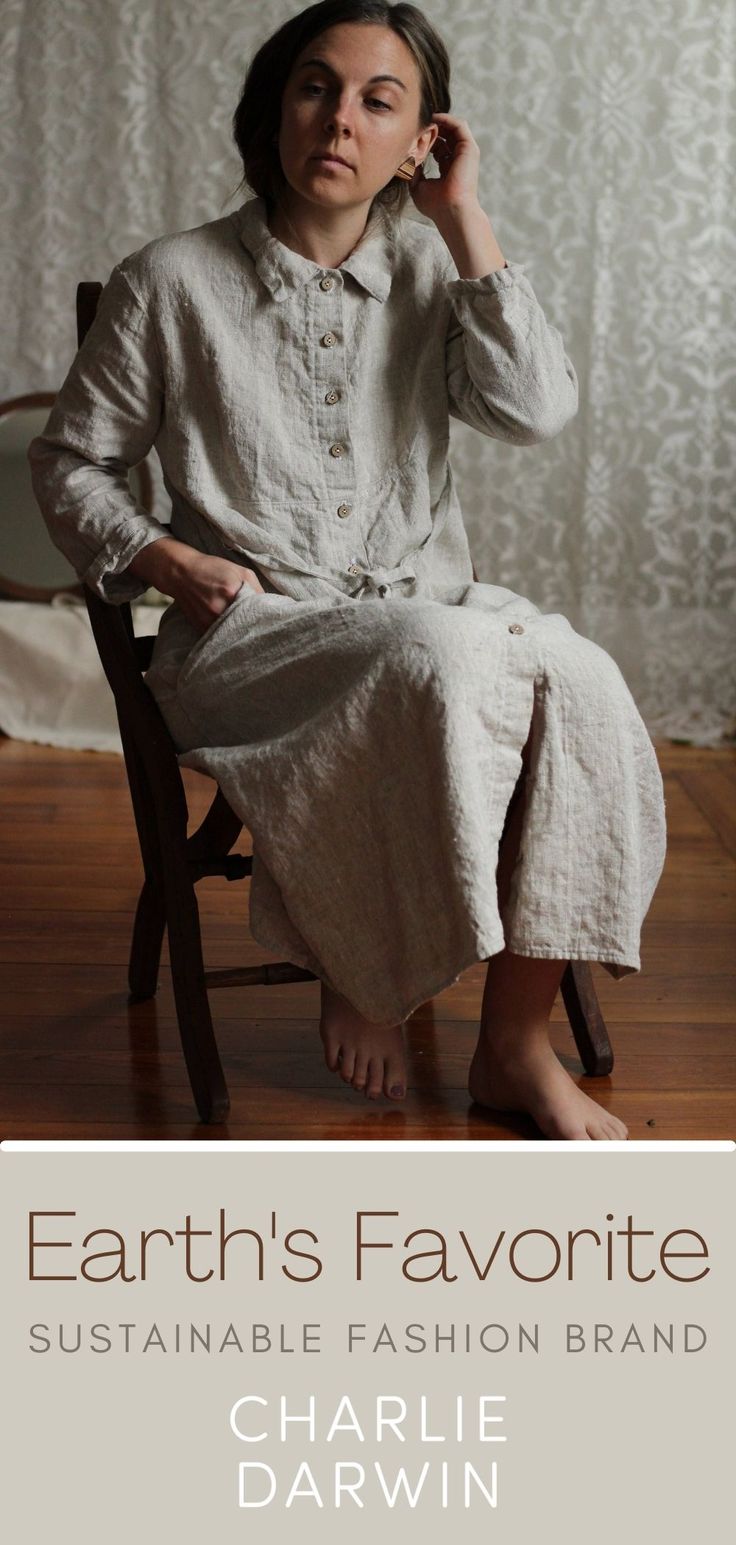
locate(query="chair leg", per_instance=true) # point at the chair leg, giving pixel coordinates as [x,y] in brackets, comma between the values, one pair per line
[145,949]
[192,1003]
[584,1013]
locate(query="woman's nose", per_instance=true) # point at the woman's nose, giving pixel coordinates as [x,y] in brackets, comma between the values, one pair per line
[340,118]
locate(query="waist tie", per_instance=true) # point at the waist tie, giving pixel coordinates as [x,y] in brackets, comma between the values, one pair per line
[379,581]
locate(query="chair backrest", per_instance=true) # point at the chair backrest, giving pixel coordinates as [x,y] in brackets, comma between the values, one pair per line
[88,296]
[31,566]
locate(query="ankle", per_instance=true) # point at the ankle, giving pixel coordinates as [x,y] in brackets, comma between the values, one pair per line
[504,1041]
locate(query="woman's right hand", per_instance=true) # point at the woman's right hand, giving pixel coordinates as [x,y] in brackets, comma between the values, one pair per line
[203,586]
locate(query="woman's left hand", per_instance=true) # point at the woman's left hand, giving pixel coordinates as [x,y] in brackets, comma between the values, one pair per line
[458,157]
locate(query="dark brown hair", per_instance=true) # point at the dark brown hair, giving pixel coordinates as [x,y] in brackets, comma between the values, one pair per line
[257,116]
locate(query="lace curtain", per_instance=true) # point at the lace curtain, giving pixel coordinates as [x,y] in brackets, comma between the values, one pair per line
[607,166]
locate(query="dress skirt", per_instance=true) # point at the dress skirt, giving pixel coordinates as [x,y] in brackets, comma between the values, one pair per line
[371,747]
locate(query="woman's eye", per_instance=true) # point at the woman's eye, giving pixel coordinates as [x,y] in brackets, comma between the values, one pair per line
[312,86]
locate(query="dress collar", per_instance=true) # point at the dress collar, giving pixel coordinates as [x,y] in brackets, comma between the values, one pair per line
[284,271]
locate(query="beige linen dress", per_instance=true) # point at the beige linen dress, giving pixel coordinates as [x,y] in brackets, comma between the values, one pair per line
[365,716]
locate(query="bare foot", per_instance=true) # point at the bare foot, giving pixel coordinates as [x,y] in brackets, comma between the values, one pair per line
[528,1076]
[369,1057]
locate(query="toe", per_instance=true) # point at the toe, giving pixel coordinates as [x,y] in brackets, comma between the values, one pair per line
[600,1130]
[347,1064]
[374,1082]
[360,1072]
[570,1131]
[613,1128]
[394,1081]
[331,1045]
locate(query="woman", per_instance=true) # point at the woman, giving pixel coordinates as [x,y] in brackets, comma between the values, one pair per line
[371,711]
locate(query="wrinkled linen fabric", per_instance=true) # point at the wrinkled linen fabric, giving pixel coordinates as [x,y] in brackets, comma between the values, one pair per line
[365,715]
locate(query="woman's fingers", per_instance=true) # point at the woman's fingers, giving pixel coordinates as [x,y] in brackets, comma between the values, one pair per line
[208,585]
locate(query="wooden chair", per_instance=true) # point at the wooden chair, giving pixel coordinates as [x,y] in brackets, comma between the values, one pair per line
[173,862]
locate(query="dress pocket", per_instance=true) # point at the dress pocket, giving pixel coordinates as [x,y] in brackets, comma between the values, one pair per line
[243,597]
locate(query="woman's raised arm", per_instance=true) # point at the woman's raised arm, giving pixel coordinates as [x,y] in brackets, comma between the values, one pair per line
[507,371]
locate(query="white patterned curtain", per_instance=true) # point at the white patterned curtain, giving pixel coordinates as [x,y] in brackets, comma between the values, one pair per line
[607,137]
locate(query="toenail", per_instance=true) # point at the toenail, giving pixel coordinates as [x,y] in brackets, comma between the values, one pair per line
[397,1090]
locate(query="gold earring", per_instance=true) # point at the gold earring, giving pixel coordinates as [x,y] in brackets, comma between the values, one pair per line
[407,169]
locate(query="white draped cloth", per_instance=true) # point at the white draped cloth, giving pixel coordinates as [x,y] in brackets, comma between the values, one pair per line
[52,687]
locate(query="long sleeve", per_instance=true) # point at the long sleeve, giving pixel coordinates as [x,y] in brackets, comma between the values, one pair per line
[104,421]
[507,371]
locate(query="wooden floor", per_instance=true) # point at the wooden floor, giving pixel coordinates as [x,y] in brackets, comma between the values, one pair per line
[78,1061]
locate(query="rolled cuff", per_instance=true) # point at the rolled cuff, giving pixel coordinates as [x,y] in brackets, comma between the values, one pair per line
[107,574]
[501,279]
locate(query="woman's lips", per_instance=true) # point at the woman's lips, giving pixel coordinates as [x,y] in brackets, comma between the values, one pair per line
[330,161]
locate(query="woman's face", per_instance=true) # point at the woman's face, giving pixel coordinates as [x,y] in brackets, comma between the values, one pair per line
[337,107]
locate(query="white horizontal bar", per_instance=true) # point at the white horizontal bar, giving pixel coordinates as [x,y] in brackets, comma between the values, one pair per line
[543,1146]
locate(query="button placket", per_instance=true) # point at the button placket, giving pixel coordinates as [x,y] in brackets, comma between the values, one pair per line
[338,443]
